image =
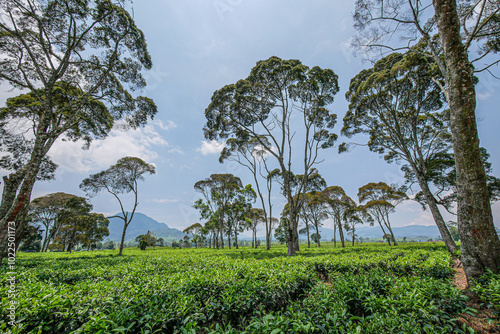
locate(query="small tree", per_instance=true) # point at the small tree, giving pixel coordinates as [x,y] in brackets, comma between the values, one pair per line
[145,240]
[314,211]
[220,191]
[45,211]
[257,217]
[380,201]
[337,203]
[121,178]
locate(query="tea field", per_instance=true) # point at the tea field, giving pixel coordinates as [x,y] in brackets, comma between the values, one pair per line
[363,289]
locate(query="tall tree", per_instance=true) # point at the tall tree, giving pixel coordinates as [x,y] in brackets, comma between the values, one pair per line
[73,218]
[257,217]
[76,63]
[462,40]
[380,200]
[264,104]
[252,155]
[219,192]
[46,210]
[398,104]
[337,202]
[120,178]
[314,212]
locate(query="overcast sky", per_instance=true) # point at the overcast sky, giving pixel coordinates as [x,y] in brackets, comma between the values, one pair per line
[198,47]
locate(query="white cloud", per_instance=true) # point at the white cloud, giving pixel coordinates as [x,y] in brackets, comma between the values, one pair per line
[210,147]
[165,200]
[103,153]
[164,126]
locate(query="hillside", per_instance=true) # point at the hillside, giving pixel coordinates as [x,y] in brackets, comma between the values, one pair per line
[141,224]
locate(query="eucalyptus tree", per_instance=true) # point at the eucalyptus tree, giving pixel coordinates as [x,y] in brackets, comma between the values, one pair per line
[252,155]
[398,104]
[72,219]
[462,38]
[337,203]
[121,178]
[219,191]
[46,210]
[257,216]
[75,64]
[380,200]
[354,214]
[196,230]
[298,187]
[313,213]
[237,211]
[263,106]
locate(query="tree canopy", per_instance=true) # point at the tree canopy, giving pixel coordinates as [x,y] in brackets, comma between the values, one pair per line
[120,178]
[261,108]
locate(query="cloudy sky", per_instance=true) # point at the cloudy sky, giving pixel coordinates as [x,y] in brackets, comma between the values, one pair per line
[198,47]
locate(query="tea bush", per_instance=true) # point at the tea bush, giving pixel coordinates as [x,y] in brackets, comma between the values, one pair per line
[363,289]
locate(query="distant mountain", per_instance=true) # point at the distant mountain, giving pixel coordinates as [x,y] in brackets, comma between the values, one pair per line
[409,231]
[141,224]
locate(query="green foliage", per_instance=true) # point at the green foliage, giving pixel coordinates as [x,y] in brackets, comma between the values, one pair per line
[363,289]
[488,288]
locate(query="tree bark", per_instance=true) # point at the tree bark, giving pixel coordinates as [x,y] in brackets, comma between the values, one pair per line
[308,238]
[334,235]
[383,231]
[392,235]
[317,234]
[125,225]
[341,232]
[480,245]
[436,214]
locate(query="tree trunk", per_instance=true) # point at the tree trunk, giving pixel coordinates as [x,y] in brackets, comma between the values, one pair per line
[308,238]
[16,209]
[317,234]
[436,214]
[388,225]
[229,239]
[392,234]
[125,225]
[383,231]
[480,245]
[334,235]
[236,239]
[341,232]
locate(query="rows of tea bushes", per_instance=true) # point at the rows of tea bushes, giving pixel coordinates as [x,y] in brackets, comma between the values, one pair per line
[364,289]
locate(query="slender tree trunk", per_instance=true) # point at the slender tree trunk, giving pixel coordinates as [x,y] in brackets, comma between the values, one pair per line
[334,235]
[480,245]
[45,240]
[341,232]
[308,237]
[229,239]
[236,239]
[383,231]
[392,234]
[317,234]
[436,214]
[268,237]
[122,242]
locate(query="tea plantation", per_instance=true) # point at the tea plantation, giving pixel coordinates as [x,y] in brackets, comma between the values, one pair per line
[362,289]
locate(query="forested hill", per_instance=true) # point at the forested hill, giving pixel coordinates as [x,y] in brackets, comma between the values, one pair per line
[141,224]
